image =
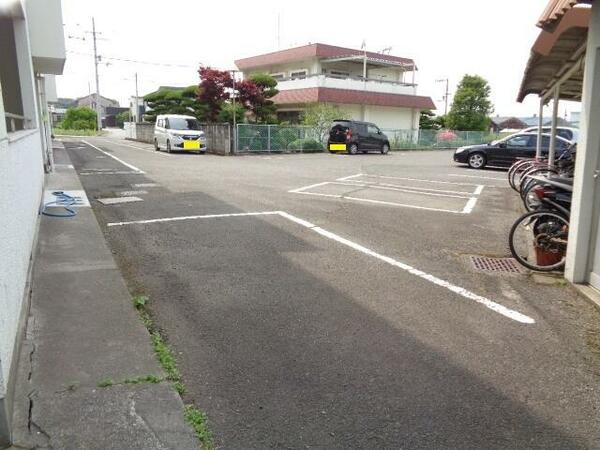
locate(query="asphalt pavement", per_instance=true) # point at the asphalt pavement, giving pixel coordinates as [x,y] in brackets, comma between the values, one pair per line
[328,301]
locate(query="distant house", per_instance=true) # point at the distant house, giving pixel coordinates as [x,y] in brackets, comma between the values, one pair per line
[533,121]
[90,102]
[375,87]
[501,123]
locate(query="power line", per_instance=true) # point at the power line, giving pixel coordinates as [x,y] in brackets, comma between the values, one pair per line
[135,61]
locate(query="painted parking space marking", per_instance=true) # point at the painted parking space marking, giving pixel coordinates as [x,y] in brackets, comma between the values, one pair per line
[476,176]
[126,164]
[113,172]
[130,193]
[138,148]
[372,183]
[117,200]
[139,185]
[460,291]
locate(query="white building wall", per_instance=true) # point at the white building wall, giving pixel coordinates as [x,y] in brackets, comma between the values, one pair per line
[389,117]
[21,183]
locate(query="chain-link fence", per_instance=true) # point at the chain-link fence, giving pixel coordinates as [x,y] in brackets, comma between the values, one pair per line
[277,138]
[432,139]
[290,138]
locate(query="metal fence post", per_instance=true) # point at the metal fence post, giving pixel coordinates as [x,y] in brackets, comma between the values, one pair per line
[269,138]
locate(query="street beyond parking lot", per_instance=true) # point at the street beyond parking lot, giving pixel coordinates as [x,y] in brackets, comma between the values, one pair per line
[329,301]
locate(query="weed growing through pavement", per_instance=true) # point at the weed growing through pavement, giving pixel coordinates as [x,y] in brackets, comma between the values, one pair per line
[152,379]
[196,418]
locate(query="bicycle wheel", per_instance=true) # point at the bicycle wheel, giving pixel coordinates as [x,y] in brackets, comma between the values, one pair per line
[518,176]
[538,240]
[527,179]
[514,169]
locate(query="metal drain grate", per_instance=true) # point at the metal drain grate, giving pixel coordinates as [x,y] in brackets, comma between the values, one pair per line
[506,265]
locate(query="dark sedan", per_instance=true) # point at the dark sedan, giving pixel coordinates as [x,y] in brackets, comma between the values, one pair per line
[505,152]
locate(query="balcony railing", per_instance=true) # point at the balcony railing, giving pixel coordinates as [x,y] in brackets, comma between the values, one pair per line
[352,83]
[15,122]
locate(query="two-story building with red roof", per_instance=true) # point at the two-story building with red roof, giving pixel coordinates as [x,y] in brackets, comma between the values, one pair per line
[374,87]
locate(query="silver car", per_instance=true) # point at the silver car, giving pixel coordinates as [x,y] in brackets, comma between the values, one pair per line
[174,132]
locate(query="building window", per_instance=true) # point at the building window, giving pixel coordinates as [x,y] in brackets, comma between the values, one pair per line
[278,76]
[298,74]
[9,78]
[339,74]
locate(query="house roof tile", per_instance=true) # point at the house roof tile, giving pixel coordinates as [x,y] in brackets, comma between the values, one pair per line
[311,51]
[348,96]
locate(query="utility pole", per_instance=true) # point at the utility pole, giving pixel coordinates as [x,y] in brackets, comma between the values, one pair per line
[137,107]
[234,114]
[98,108]
[446,94]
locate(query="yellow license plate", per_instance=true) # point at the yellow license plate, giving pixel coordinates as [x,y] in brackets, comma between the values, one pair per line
[337,147]
[191,145]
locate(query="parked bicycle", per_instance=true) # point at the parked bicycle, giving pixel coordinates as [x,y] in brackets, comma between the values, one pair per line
[538,239]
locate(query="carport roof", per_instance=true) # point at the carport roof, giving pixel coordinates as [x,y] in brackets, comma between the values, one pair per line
[556,52]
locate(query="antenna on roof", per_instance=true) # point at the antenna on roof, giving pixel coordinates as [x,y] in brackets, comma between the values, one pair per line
[386,51]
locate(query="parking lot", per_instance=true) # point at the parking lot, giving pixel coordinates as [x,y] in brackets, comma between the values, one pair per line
[331,301]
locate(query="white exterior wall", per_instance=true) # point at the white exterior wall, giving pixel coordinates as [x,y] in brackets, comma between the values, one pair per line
[348,83]
[21,183]
[22,156]
[389,117]
[46,34]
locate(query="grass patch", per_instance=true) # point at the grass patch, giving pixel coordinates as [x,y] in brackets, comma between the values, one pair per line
[165,357]
[106,383]
[153,379]
[62,132]
[197,419]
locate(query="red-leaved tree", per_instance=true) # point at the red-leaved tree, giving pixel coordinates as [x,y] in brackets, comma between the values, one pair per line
[253,94]
[212,90]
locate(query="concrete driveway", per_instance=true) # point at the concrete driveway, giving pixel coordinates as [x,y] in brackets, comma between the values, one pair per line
[329,301]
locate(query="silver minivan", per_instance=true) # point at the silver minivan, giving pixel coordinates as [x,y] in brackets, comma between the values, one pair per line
[174,132]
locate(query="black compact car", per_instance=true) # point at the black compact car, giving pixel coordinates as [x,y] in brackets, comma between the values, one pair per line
[505,152]
[352,136]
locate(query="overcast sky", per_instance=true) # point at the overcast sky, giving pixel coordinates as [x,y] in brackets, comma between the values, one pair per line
[447,39]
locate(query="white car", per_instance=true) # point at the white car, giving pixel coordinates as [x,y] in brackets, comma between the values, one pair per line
[569,133]
[177,132]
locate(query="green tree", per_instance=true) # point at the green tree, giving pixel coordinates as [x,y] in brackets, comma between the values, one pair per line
[320,116]
[80,118]
[171,101]
[471,106]
[429,121]
[263,108]
[226,113]
[121,118]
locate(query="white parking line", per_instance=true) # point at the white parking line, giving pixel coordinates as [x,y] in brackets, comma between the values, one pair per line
[400,189]
[401,186]
[138,147]
[131,166]
[493,306]
[310,186]
[477,176]
[177,219]
[424,181]
[380,202]
[350,176]
[114,172]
